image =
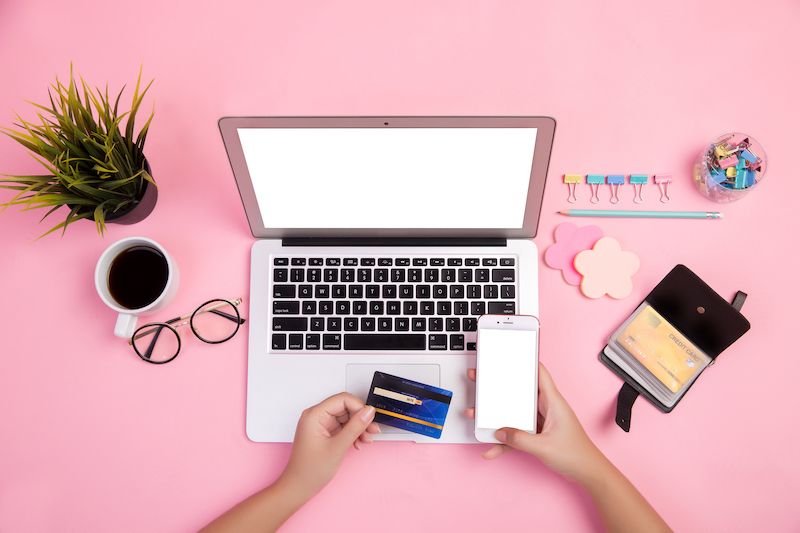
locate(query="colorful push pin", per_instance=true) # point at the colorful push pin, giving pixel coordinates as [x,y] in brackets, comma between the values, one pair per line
[594,181]
[572,181]
[615,180]
[638,180]
[662,181]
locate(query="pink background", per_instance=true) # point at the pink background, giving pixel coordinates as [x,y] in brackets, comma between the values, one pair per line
[91,439]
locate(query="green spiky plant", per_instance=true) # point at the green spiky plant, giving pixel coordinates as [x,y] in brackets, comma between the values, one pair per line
[94,166]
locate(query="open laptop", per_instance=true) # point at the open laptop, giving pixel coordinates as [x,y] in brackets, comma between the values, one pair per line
[381,240]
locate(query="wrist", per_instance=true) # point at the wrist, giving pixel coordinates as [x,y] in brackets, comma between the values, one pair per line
[294,489]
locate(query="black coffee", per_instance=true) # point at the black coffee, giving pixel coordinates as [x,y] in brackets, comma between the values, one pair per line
[137,276]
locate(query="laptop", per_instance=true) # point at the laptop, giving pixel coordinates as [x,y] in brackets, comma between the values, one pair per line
[379,243]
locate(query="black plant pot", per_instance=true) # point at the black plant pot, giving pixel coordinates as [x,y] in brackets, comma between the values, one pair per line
[142,206]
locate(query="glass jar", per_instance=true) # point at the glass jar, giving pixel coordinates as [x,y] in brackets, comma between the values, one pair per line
[730,167]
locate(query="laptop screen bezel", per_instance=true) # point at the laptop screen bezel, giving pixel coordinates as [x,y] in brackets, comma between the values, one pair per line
[545,127]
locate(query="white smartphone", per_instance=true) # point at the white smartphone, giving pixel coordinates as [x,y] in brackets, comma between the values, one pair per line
[507,374]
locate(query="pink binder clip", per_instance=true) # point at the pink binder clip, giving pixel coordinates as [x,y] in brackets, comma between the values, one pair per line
[662,182]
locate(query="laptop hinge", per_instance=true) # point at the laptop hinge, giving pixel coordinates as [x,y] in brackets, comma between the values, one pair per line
[394,241]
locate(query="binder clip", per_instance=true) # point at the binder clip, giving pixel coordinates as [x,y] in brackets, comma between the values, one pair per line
[638,180]
[594,181]
[662,181]
[614,181]
[572,181]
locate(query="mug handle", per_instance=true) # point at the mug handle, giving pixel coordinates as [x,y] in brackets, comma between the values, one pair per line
[125,326]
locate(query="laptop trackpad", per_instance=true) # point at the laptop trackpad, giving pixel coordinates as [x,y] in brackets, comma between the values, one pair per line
[359,378]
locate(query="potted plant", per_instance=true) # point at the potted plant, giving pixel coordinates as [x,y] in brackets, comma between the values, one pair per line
[95,167]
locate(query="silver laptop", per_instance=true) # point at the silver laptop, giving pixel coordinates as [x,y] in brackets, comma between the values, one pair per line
[380,241]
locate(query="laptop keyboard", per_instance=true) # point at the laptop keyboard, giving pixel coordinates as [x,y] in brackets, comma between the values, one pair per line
[375,303]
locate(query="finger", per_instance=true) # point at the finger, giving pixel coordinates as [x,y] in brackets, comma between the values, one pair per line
[373,428]
[495,451]
[469,412]
[519,440]
[471,373]
[365,438]
[340,404]
[357,425]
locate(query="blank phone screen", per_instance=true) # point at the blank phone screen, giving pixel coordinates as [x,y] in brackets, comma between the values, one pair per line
[507,384]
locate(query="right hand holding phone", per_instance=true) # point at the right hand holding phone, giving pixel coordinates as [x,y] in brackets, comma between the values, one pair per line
[561,442]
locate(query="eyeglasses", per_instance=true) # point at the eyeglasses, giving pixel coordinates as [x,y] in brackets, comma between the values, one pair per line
[214,322]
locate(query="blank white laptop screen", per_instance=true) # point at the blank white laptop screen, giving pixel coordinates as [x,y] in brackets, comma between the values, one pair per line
[390,178]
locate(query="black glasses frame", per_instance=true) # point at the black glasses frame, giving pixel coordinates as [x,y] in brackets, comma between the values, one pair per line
[156,328]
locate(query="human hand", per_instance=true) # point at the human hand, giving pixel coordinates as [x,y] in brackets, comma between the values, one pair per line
[324,434]
[561,442]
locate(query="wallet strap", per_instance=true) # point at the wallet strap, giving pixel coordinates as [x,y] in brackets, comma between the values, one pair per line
[628,395]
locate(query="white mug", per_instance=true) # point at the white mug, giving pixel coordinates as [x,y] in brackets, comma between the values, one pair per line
[126,321]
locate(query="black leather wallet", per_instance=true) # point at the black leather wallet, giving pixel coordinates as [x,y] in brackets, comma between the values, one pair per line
[700,314]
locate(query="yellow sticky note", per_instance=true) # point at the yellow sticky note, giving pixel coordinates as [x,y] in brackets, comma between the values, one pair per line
[573,178]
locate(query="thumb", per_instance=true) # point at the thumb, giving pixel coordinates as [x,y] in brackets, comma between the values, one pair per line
[519,440]
[355,426]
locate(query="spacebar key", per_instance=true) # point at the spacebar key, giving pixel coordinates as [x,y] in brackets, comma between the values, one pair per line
[384,341]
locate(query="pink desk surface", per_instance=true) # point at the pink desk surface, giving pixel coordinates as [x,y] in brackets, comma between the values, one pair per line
[91,439]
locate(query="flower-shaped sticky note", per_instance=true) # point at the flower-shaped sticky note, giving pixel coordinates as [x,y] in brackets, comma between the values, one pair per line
[606,269]
[570,239]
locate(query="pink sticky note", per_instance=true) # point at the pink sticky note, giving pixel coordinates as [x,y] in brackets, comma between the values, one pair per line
[569,240]
[606,269]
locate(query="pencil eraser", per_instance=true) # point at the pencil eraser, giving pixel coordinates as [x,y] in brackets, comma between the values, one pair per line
[616,178]
[573,178]
[595,178]
[640,178]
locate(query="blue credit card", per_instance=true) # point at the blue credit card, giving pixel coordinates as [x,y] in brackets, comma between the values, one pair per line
[409,405]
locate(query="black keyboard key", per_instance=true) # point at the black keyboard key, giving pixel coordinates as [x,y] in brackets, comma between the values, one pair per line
[482,275]
[469,324]
[410,308]
[384,324]
[364,275]
[431,275]
[456,342]
[398,275]
[472,262]
[423,291]
[281,261]
[348,275]
[472,346]
[393,307]
[477,308]
[437,261]
[502,275]
[406,291]
[315,261]
[343,308]
[437,342]
[298,261]
[296,341]
[289,323]
[448,275]
[444,308]
[326,307]
[305,291]
[489,261]
[280,275]
[465,275]
[507,261]
[389,291]
[333,262]
[454,262]
[351,324]
[473,291]
[339,291]
[280,307]
[298,275]
[355,291]
[384,341]
[414,275]
[381,275]
[401,324]
[322,291]
[501,308]
[456,291]
[367,261]
[435,324]
[418,324]
[453,324]
[490,292]
[507,291]
[318,324]
[278,341]
[461,308]
[334,324]
[284,291]
[426,308]
[312,341]
[373,291]
[440,291]
[420,261]
[314,275]
[331,275]
[402,261]
[332,341]
[385,261]
[350,261]
[376,308]
[359,307]
[310,307]
[367,324]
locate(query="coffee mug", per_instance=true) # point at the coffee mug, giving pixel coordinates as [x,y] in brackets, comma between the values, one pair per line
[135,276]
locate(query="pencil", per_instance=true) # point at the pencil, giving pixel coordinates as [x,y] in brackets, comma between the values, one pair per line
[610,213]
